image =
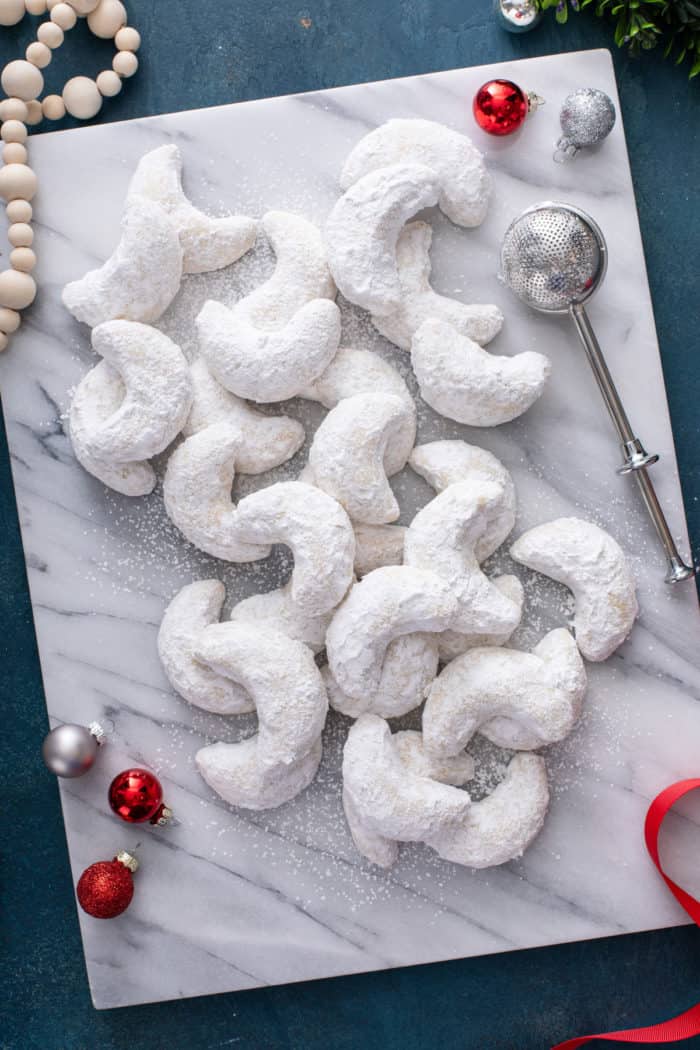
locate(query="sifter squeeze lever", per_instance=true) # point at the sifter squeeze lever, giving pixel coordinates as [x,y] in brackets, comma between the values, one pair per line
[554,258]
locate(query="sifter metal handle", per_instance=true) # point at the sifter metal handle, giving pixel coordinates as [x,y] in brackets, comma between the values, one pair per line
[636,458]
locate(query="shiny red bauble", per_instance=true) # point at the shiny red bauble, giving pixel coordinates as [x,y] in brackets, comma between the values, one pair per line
[135,795]
[105,889]
[500,107]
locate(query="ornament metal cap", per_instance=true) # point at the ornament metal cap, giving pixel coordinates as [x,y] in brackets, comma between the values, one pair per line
[128,860]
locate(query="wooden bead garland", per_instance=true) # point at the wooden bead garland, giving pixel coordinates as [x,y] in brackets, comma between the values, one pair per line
[23,83]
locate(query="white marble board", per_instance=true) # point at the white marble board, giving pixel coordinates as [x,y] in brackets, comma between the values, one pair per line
[228,900]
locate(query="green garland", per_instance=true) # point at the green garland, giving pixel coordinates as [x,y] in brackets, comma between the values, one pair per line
[642,24]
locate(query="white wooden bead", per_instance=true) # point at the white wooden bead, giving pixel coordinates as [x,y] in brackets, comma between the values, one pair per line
[13,131]
[14,153]
[107,19]
[81,98]
[9,320]
[19,211]
[13,109]
[17,181]
[64,16]
[35,7]
[108,83]
[20,235]
[34,112]
[53,107]
[125,63]
[50,34]
[3,342]
[17,289]
[21,79]
[38,54]
[83,7]
[11,12]
[128,39]
[22,259]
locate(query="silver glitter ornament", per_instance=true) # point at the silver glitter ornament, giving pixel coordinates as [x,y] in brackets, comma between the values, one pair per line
[70,750]
[586,118]
[517,16]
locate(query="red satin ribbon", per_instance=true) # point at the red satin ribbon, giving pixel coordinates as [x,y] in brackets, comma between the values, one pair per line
[686,1024]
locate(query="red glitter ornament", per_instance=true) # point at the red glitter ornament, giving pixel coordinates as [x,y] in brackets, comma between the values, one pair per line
[105,889]
[500,106]
[135,795]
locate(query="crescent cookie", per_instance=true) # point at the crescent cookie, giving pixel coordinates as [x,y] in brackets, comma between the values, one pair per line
[408,668]
[419,301]
[197,493]
[301,273]
[517,700]
[361,442]
[280,675]
[364,226]
[593,566]
[465,184]
[463,382]
[157,392]
[266,441]
[388,603]
[196,606]
[208,242]
[95,401]
[442,538]
[318,532]
[142,276]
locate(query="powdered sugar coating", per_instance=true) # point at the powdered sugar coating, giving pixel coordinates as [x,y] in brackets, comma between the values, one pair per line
[419,301]
[317,530]
[453,643]
[517,700]
[594,567]
[277,609]
[301,273]
[197,493]
[208,242]
[354,372]
[286,686]
[364,226]
[157,392]
[409,667]
[465,184]
[389,602]
[377,545]
[142,276]
[192,609]
[452,769]
[501,826]
[97,397]
[266,441]
[391,794]
[442,463]
[268,366]
[442,538]
[462,381]
[359,443]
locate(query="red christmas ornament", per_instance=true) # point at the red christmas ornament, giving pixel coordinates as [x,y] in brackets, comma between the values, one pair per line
[135,795]
[105,889]
[500,106]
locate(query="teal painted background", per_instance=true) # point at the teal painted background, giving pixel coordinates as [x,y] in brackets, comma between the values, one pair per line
[208,52]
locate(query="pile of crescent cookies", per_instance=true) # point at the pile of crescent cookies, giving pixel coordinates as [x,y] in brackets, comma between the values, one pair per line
[405,615]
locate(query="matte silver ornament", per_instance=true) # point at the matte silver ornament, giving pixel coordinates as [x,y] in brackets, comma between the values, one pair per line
[517,16]
[587,117]
[70,750]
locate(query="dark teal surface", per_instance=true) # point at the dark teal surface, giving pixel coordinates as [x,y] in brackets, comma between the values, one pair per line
[207,52]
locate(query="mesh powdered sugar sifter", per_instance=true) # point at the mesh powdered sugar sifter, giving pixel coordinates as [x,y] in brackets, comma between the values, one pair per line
[554,258]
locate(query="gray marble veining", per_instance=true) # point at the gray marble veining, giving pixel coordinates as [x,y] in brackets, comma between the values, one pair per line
[229,899]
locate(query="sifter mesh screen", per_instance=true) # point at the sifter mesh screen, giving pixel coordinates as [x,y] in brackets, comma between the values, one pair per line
[551,257]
